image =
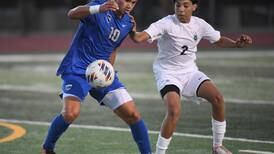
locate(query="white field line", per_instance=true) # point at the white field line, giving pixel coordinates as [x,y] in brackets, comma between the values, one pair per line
[39,123]
[32,88]
[48,89]
[31,58]
[254,151]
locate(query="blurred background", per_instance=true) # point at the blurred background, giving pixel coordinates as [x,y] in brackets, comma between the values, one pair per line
[46,21]
[35,34]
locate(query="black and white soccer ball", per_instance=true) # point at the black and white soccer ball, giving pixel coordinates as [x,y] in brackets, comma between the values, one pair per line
[100,73]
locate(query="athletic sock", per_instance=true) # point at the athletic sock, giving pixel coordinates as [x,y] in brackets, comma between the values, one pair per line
[58,126]
[218,130]
[140,134]
[162,144]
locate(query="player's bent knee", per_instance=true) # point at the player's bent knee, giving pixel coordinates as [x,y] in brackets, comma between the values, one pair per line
[174,115]
[70,116]
[217,100]
[133,117]
[174,109]
[128,112]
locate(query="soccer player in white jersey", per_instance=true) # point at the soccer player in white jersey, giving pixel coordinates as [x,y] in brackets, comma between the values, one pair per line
[176,72]
[103,26]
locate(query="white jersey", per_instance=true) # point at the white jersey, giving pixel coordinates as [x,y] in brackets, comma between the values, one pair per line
[177,42]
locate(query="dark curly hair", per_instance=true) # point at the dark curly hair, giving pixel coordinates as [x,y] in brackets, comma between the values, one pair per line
[193,1]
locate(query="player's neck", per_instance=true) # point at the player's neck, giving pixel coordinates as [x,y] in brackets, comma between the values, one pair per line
[183,20]
[118,14]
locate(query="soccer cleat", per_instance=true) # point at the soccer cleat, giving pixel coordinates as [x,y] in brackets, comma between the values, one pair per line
[220,150]
[48,151]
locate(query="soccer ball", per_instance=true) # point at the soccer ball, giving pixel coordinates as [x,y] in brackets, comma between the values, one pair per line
[100,73]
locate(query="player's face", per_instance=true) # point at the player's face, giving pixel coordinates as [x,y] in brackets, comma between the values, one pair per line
[184,9]
[126,6]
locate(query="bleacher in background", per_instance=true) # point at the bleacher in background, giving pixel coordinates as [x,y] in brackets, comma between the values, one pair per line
[27,20]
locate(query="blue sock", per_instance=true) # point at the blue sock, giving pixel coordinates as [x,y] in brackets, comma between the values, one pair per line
[58,126]
[140,134]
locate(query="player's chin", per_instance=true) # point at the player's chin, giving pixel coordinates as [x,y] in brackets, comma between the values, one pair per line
[181,18]
[121,11]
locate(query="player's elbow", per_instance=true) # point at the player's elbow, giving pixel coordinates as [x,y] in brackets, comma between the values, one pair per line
[71,14]
[76,13]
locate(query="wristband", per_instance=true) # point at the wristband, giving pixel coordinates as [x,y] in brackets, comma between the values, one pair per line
[94,9]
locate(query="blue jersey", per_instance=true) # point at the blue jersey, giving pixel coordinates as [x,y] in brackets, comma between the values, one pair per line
[97,36]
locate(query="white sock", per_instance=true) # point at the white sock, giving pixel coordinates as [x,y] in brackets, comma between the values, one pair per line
[162,144]
[218,130]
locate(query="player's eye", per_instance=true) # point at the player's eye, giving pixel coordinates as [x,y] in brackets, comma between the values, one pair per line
[186,5]
[131,1]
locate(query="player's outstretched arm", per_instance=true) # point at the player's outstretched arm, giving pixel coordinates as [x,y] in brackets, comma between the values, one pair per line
[83,11]
[242,41]
[137,36]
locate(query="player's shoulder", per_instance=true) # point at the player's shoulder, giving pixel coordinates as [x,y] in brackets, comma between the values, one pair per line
[169,19]
[198,20]
[126,19]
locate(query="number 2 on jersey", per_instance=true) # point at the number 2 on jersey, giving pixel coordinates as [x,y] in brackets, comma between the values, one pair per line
[185,48]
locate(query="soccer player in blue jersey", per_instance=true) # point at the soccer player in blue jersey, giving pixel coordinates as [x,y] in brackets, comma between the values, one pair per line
[103,26]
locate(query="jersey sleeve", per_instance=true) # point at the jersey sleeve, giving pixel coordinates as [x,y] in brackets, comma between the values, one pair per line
[156,30]
[209,33]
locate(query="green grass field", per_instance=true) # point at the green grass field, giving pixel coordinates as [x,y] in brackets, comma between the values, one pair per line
[29,94]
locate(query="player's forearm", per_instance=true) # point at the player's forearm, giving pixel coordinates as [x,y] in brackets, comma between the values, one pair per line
[79,12]
[83,11]
[240,42]
[226,42]
[139,36]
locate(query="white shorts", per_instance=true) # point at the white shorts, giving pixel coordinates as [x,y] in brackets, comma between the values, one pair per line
[112,99]
[188,83]
[116,98]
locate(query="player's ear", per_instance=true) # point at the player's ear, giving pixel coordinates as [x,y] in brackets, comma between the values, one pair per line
[194,7]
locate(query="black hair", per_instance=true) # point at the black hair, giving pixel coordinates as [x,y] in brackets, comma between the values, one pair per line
[193,1]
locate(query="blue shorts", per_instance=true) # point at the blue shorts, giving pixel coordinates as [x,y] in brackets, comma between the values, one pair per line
[77,85]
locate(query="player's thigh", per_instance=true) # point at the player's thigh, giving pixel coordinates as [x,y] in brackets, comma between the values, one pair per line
[74,90]
[194,81]
[171,96]
[173,102]
[208,91]
[170,87]
[128,111]
[75,86]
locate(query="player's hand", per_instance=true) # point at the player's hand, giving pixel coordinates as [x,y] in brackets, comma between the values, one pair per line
[109,5]
[134,23]
[243,41]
